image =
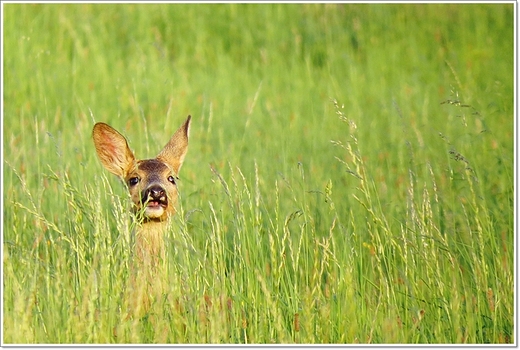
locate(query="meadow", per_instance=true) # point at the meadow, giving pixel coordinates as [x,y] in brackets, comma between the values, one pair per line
[349,179]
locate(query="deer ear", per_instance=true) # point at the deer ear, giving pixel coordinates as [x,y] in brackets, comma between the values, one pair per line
[112,150]
[175,150]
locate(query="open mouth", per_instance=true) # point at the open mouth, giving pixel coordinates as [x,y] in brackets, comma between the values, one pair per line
[156,204]
[155,209]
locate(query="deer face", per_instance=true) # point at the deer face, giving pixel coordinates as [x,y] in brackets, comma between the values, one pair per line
[151,182]
[153,189]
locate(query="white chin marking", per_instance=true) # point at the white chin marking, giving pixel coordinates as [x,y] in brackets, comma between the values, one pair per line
[154,212]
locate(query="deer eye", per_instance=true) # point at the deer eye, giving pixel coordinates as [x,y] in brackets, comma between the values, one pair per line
[172,179]
[133,181]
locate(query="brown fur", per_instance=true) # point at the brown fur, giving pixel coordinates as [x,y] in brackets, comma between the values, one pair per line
[153,190]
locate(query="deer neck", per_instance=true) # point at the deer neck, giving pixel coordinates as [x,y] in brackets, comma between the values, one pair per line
[150,242]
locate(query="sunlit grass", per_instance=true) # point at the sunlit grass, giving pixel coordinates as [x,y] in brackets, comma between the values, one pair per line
[345,182]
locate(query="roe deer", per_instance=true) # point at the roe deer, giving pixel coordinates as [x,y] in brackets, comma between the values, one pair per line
[152,184]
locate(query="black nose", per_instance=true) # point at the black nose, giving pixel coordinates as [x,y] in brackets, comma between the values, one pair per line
[155,193]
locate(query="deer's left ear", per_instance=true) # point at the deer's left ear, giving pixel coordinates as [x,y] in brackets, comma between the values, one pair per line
[175,150]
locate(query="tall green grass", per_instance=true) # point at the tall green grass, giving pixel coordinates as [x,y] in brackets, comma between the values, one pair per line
[349,177]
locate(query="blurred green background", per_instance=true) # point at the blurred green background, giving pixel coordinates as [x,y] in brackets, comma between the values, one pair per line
[425,84]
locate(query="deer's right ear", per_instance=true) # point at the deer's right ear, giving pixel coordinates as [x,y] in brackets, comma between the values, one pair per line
[112,149]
